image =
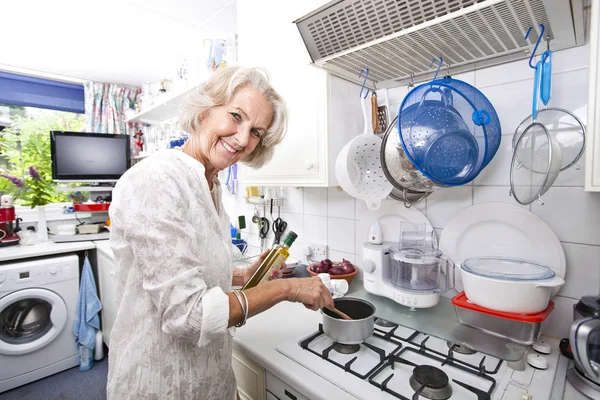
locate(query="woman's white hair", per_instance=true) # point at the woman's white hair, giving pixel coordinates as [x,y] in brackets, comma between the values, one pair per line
[219,89]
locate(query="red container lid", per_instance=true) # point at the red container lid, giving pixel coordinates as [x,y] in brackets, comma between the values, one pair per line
[460,300]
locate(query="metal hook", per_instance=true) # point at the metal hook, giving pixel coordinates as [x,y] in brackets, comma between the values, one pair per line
[439,66]
[412,80]
[537,43]
[366,71]
[447,70]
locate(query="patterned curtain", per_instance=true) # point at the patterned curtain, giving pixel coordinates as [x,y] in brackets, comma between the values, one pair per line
[105,105]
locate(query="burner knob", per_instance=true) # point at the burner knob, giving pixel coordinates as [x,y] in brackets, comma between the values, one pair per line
[537,361]
[542,347]
[367,265]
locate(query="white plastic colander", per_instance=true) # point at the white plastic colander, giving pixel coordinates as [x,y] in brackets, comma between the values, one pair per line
[358,167]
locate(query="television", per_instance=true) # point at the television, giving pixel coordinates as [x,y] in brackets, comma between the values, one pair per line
[88,157]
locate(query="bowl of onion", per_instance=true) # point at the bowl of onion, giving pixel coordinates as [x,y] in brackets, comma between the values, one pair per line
[338,270]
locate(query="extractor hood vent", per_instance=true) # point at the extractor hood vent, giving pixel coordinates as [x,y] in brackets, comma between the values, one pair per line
[397,38]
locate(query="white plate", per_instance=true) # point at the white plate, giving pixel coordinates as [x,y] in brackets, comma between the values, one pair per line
[390,214]
[495,229]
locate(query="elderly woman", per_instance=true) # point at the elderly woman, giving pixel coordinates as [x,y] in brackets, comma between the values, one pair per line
[172,337]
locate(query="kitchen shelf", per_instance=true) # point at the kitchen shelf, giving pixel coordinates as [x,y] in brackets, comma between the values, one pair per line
[86,189]
[80,237]
[397,38]
[166,109]
[440,321]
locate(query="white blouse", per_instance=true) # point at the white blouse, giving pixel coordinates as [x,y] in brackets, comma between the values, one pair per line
[174,264]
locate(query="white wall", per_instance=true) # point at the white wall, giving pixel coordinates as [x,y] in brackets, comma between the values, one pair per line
[326,215]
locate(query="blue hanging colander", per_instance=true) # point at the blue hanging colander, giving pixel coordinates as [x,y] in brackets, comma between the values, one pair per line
[449,130]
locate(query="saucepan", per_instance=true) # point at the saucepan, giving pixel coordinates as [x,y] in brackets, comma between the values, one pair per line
[356,331]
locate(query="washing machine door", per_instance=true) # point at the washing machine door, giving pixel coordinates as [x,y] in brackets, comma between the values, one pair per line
[30,319]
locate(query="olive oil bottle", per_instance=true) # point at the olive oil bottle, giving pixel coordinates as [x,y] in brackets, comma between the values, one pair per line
[273,261]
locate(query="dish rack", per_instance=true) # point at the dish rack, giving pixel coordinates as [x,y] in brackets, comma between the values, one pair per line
[242,258]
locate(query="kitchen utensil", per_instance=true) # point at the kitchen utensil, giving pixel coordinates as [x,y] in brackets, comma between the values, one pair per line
[566,127]
[358,167]
[408,197]
[376,233]
[546,84]
[279,225]
[417,237]
[503,230]
[587,307]
[535,165]
[255,217]
[449,130]
[508,284]
[353,331]
[522,329]
[379,115]
[584,338]
[374,120]
[263,224]
[338,312]
[399,169]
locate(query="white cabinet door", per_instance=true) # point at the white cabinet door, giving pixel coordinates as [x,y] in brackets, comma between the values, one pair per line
[268,37]
[106,282]
[592,167]
[250,377]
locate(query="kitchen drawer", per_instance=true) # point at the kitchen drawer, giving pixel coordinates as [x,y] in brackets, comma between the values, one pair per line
[270,396]
[281,390]
[250,377]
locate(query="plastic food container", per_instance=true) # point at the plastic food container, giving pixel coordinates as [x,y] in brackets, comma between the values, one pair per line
[522,329]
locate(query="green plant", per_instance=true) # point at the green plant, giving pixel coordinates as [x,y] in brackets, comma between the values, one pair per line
[27,143]
[35,190]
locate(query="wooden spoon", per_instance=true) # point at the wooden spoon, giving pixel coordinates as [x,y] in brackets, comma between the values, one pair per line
[338,312]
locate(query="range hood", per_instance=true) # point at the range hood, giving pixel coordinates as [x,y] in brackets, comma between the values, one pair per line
[399,38]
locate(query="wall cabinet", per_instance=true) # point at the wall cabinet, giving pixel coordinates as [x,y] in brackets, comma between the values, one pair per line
[250,377]
[324,111]
[107,288]
[592,167]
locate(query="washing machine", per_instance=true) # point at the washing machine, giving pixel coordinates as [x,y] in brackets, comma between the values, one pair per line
[38,301]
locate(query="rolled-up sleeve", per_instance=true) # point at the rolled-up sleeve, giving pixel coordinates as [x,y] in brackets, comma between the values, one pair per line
[150,209]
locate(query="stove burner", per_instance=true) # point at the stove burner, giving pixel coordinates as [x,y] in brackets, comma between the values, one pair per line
[460,349]
[346,348]
[385,323]
[430,382]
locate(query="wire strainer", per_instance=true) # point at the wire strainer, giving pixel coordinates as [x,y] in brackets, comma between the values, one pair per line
[358,167]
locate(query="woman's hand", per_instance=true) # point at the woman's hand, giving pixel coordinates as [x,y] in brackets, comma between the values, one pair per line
[242,275]
[309,291]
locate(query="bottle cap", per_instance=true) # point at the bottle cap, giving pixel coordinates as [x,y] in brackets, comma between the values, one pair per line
[289,239]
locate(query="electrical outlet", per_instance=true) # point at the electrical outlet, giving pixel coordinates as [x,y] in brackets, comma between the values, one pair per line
[319,251]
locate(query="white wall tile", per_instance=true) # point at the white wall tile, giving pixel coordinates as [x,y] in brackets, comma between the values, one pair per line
[497,172]
[445,203]
[512,102]
[340,234]
[294,200]
[339,204]
[315,229]
[569,59]
[502,74]
[335,255]
[315,201]
[295,223]
[572,213]
[561,317]
[495,194]
[583,270]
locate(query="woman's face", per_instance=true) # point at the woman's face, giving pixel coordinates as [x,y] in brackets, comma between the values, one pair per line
[232,131]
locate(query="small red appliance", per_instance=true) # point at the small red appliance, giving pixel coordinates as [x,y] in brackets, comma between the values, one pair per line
[8,226]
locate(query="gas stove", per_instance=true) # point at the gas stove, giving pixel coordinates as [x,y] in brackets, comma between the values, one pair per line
[399,363]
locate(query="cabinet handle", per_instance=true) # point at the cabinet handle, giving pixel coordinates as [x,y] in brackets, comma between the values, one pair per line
[308,164]
[288,394]
[112,273]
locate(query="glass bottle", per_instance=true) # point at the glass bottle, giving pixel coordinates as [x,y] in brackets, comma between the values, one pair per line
[273,261]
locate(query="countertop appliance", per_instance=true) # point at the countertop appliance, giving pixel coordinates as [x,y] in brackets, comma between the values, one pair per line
[8,224]
[406,275]
[585,343]
[400,363]
[38,301]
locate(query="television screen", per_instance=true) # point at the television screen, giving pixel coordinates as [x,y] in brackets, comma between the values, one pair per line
[88,157]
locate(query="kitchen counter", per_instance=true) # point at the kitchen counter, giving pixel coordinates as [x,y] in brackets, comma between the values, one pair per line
[42,249]
[103,246]
[262,333]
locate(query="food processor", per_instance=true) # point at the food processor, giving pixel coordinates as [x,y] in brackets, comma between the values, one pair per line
[412,272]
